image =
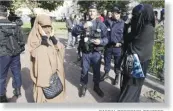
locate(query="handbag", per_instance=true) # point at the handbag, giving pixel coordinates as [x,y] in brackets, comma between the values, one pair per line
[131,66]
[137,71]
[55,87]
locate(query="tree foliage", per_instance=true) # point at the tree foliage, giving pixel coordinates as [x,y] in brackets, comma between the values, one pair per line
[31,4]
[154,3]
[102,5]
[157,62]
[49,5]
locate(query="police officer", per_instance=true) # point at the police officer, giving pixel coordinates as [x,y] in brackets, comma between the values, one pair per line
[113,48]
[92,44]
[11,45]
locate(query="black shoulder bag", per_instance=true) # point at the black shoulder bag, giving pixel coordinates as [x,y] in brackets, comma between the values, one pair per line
[55,87]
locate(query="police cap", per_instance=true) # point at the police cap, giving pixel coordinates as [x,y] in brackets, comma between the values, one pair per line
[116,9]
[93,6]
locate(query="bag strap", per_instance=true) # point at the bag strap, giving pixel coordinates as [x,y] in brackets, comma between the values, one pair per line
[97,24]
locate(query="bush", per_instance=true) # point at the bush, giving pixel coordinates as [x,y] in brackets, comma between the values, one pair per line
[156,66]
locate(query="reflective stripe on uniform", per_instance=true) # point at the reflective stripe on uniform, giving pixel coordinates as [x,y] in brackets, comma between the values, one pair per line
[7,24]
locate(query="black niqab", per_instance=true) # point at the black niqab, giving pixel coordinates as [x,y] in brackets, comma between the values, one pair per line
[142,14]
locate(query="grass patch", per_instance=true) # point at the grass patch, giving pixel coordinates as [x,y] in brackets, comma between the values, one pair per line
[26,27]
[59,27]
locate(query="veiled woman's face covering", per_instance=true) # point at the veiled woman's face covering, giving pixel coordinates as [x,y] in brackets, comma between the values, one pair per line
[136,13]
[47,29]
[142,15]
[45,22]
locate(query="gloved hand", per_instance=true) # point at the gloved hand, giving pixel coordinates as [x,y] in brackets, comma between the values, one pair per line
[97,41]
[54,41]
[44,41]
[88,24]
[118,45]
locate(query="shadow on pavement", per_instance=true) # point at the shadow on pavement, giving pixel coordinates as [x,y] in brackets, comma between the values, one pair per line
[9,76]
[111,93]
[13,99]
[27,84]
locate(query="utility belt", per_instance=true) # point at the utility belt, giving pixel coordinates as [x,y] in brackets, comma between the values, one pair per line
[91,48]
[112,45]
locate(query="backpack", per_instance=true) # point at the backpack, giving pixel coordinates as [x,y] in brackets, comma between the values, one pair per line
[11,38]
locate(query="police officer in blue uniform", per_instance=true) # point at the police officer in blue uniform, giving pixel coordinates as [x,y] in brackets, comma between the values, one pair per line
[11,46]
[93,40]
[115,27]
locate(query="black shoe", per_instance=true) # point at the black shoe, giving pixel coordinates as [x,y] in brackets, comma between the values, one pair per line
[3,99]
[116,80]
[17,92]
[98,90]
[78,58]
[105,76]
[82,90]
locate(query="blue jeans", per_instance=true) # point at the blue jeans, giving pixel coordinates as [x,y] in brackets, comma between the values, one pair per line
[94,59]
[12,62]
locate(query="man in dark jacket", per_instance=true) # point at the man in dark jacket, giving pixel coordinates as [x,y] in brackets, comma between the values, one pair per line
[11,45]
[113,48]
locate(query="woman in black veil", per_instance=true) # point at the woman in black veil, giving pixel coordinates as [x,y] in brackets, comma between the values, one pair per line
[140,41]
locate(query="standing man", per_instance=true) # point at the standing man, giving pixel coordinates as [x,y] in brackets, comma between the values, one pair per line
[108,20]
[70,23]
[93,38]
[113,48]
[11,45]
[105,13]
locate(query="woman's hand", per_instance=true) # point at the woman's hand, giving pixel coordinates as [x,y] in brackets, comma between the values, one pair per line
[54,41]
[41,31]
[88,24]
[118,45]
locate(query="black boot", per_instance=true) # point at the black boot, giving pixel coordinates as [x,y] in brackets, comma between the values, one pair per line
[98,90]
[3,99]
[82,90]
[17,92]
[116,80]
[105,76]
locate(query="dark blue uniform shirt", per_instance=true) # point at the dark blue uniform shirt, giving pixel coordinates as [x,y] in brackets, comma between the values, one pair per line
[116,27]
